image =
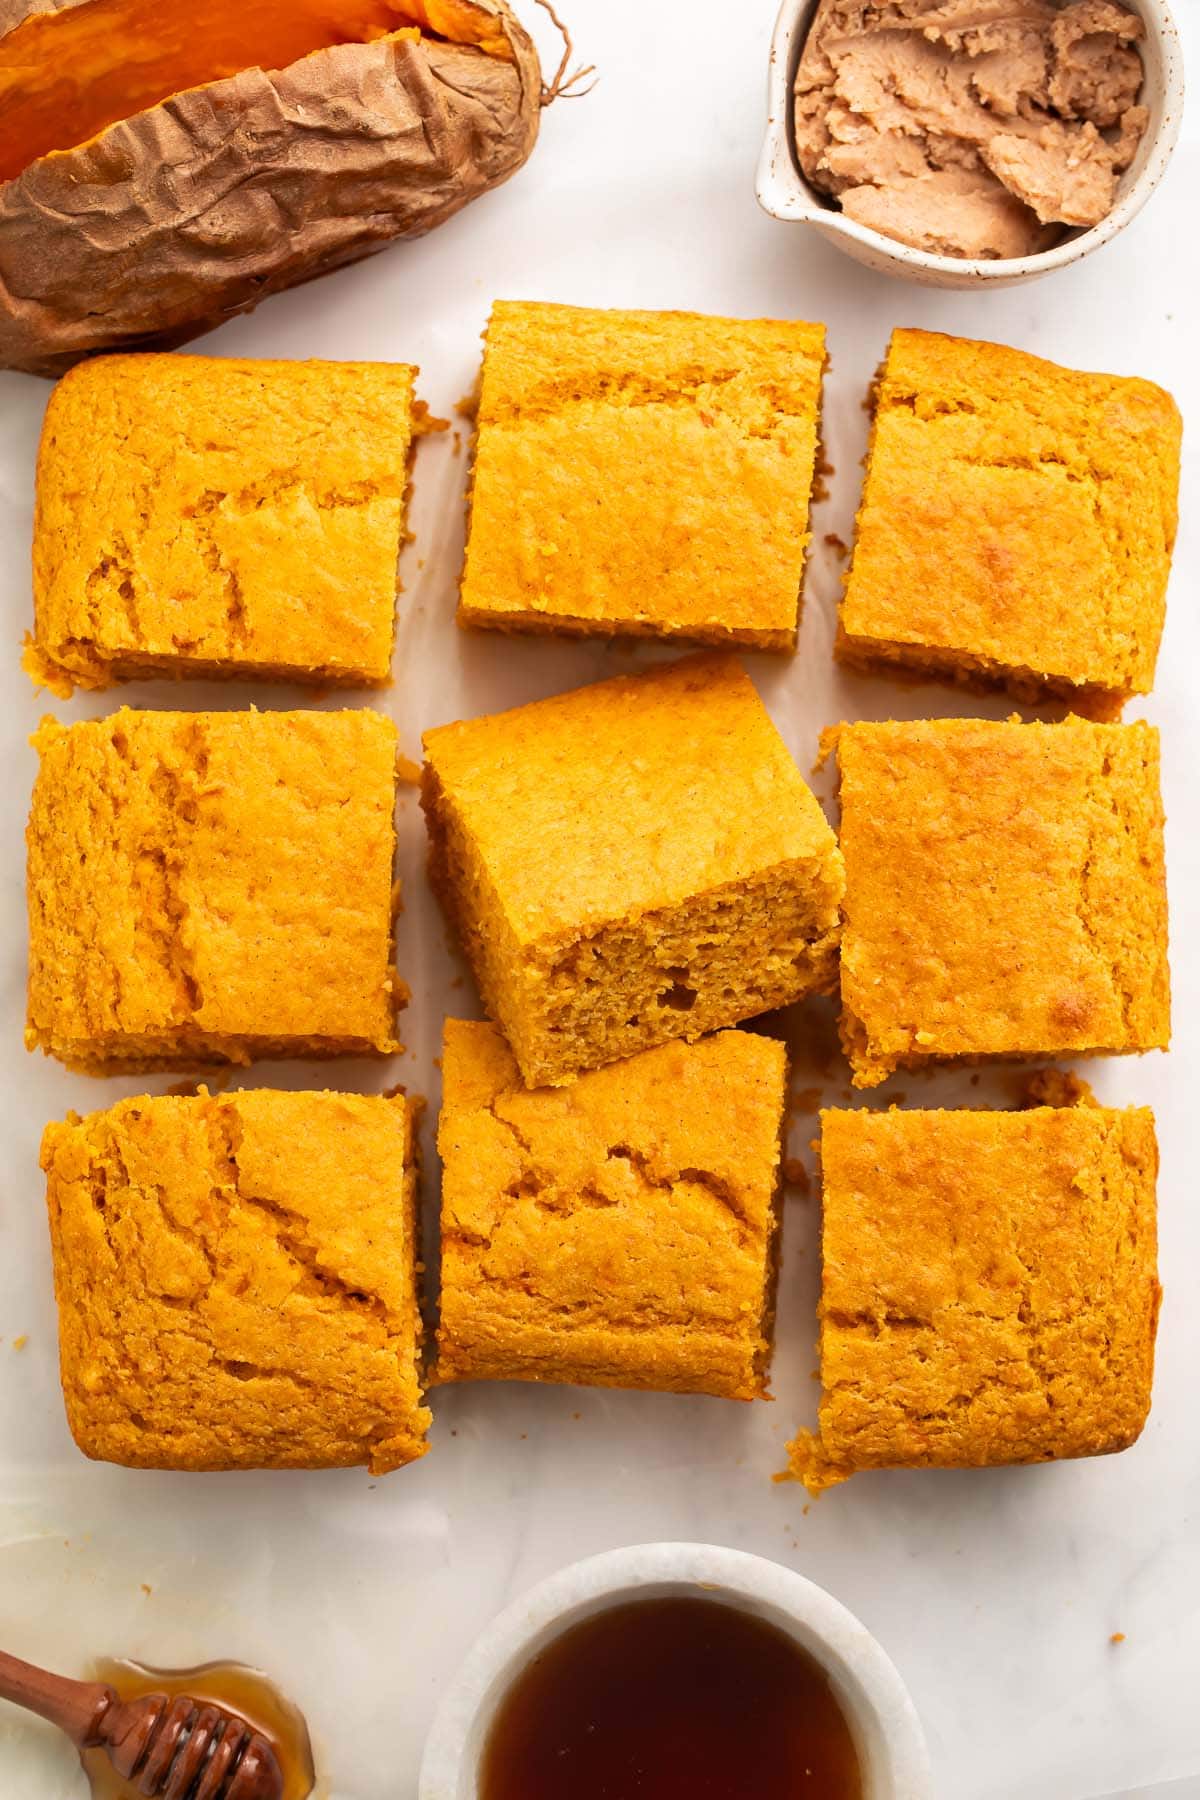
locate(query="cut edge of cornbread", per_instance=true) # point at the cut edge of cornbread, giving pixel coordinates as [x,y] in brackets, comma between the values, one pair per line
[527,622]
[977,674]
[657,944]
[84,668]
[178,1051]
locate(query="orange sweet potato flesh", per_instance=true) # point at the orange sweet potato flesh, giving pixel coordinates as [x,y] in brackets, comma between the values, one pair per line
[163,167]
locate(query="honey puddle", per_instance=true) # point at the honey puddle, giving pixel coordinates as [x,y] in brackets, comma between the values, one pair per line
[241,1690]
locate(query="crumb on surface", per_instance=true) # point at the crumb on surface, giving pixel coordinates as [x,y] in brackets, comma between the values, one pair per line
[1057,1087]
[796,1175]
[805,1102]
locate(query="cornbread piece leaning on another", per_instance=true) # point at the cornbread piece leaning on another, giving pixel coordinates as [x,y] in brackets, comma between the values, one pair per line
[631,862]
[1024,1329]
[210,887]
[1005,892]
[643,473]
[208,516]
[618,1232]
[1016,525]
[237,1281]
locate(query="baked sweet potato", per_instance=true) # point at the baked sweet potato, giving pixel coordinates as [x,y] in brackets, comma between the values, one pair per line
[164,166]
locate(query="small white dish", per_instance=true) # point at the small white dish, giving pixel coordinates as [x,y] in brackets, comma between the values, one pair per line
[784,192]
[883,1721]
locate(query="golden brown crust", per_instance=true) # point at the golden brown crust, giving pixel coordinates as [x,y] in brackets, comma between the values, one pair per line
[212,515]
[353,146]
[1024,1330]
[575,525]
[1016,525]
[1005,892]
[616,1232]
[236,1281]
[211,887]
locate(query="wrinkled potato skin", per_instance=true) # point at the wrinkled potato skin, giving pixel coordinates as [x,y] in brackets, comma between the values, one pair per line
[184,215]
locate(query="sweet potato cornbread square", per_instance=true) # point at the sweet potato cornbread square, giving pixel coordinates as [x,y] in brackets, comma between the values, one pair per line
[211,516]
[1016,524]
[210,887]
[1024,1329]
[1005,893]
[616,1232]
[631,862]
[237,1281]
[646,473]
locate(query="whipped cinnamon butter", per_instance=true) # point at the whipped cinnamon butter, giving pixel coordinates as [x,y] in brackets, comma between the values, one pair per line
[976,128]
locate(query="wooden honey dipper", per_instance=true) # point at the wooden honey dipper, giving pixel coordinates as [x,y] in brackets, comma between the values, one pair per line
[167,1749]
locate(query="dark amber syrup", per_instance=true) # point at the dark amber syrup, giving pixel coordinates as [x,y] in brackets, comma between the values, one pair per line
[239,1690]
[671,1699]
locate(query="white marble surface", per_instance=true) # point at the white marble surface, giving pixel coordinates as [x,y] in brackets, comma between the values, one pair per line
[996,1593]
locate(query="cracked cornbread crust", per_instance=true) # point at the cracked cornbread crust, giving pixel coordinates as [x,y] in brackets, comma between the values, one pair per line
[237,1281]
[1016,525]
[631,862]
[643,473]
[206,516]
[1024,1331]
[1005,892]
[211,887]
[617,1232]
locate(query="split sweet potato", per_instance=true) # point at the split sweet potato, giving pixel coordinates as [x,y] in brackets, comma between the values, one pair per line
[164,167]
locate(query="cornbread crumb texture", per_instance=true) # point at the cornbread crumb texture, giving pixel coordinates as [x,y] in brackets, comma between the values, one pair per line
[1024,1330]
[631,862]
[236,1281]
[1005,892]
[1016,525]
[643,472]
[212,886]
[206,515]
[619,1231]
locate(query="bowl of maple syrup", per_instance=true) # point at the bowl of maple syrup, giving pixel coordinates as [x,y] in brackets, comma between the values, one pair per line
[666,1671]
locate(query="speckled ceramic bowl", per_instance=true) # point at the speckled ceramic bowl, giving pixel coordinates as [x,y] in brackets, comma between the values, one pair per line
[887,1732]
[784,192]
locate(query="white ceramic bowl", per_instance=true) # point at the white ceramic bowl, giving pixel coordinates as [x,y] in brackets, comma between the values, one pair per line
[887,1732]
[784,192]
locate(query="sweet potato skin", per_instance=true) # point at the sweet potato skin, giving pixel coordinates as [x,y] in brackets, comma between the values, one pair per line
[195,210]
